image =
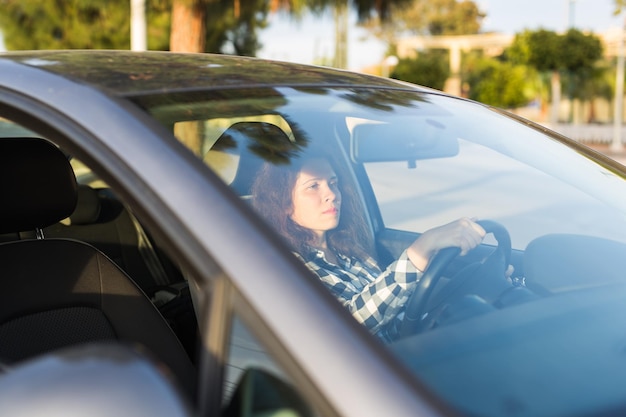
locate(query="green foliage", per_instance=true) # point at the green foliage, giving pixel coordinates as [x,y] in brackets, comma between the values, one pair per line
[546,50]
[575,57]
[366,10]
[579,51]
[232,34]
[58,24]
[450,17]
[501,84]
[430,69]
[428,17]
[591,82]
[96,24]
[158,14]
[540,49]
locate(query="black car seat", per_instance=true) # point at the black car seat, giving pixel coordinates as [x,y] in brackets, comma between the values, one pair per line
[103,221]
[252,143]
[61,292]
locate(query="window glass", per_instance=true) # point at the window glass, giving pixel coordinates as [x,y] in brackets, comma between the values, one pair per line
[221,151]
[254,384]
[9,129]
[105,221]
[487,341]
[480,182]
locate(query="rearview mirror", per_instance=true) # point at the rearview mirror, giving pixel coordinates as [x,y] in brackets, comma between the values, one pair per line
[421,139]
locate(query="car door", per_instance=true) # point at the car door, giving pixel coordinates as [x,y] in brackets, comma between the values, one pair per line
[206,230]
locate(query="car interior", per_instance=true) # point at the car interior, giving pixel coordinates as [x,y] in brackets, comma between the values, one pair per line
[79,269]
[58,291]
[538,267]
[102,220]
[250,143]
[242,148]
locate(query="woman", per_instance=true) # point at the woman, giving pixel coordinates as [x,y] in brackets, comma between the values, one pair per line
[307,204]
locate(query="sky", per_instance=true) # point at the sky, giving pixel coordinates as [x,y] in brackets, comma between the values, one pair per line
[312,38]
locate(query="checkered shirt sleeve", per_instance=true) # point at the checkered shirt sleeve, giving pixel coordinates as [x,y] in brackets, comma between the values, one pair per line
[373,297]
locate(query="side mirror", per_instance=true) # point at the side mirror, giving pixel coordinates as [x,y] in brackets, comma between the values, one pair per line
[102,379]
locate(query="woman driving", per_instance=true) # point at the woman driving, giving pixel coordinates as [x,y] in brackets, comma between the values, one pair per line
[321,221]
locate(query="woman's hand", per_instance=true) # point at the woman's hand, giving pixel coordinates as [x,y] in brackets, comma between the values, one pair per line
[463,233]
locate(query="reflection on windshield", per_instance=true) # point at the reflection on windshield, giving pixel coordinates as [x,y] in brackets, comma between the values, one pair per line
[370,188]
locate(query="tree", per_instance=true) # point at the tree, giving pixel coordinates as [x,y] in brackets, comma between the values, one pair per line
[91,24]
[540,50]
[591,83]
[70,24]
[429,18]
[431,69]
[235,26]
[582,53]
[188,28]
[491,81]
[571,55]
[442,17]
[367,11]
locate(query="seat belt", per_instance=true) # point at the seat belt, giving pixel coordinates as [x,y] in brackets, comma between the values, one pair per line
[148,254]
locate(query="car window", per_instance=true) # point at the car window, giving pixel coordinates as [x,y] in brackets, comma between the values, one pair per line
[98,285]
[479,182]
[397,164]
[221,152]
[254,384]
[10,129]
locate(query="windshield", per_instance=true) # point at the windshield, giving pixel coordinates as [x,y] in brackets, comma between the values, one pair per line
[527,321]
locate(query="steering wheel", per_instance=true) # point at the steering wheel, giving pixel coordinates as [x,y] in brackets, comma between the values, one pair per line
[493,265]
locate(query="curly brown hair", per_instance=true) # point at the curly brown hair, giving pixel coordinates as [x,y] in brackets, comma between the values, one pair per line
[272,199]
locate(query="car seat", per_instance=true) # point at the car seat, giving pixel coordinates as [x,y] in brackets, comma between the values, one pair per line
[61,292]
[252,143]
[103,221]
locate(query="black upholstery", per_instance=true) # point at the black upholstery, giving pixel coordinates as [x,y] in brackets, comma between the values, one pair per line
[101,220]
[60,292]
[88,206]
[25,192]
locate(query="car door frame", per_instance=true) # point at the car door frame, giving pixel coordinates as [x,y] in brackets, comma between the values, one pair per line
[109,134]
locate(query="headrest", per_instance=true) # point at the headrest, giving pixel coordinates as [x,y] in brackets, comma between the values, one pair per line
[254,142]
[37,184]
[88,206]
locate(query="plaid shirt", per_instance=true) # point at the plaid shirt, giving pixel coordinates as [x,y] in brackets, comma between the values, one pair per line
[374,297]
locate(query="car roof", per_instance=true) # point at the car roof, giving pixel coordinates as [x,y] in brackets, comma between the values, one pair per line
[129,73]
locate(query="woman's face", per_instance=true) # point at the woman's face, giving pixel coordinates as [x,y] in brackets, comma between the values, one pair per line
[316,200]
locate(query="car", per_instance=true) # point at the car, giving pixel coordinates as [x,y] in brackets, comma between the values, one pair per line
[139,276]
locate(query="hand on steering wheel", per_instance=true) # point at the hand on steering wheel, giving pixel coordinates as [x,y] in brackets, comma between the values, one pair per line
[416,307]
